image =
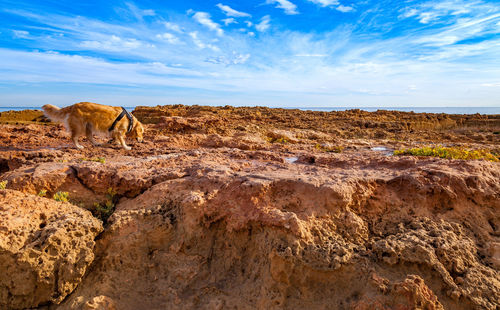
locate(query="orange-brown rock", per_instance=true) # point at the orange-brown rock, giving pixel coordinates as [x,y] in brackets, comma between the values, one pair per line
[45,249]
[246,234]
[263,208]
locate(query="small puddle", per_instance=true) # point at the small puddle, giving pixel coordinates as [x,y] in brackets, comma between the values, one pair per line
[386,151]
[291,160]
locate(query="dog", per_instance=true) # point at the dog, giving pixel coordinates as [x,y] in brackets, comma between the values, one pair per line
[87,118]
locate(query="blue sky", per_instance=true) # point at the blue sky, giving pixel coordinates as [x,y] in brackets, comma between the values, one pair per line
[289,53]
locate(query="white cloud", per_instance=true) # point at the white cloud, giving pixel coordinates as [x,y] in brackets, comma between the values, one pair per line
[205,20]
[438,40]
[38,67]
[426,17]
[21,34]
[333,3]
[114,43]
[170,38]
[234,59]
[344,9]
[410,13]
[201,44]
[292,67]
[173,27]
[287,6]
[229,21]
[264,24]
[139,13]
[311,55]
[325,3]
[433,11]
[491,84]
[463,29]
[249,23]
[232,12]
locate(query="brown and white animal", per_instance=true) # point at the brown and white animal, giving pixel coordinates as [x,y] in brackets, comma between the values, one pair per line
[87,118]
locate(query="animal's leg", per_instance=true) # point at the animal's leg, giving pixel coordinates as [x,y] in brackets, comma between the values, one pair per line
[74,137]
[119,137]
[90,136]
[76,132]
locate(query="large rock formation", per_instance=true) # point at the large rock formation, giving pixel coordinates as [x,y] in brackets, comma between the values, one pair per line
[45,249]
[235,232]
[251,208]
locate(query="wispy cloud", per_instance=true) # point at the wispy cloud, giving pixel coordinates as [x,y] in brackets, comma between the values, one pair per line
[200,43]
[234,59]
[173,27]
[451,59]
[21,34]
[232,12]
[170,38]
[324,3]
[139,13]
[287,6]
[113,43]
[434,11]
[344,8]
[311,55]
[229,21]
[265,23]
[204,19]
[334,4]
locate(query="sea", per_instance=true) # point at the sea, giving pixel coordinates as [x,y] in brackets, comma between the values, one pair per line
[447,110]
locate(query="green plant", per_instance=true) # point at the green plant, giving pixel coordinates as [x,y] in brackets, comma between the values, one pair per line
[3,184]
[61,196]
[329,149]
[449,153]
[101,160]
[111,193]
[42,193]
[104,210]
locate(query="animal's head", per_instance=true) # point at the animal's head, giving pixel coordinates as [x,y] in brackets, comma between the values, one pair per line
[138,131]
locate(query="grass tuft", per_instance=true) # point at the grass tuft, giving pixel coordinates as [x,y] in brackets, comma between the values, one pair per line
[101,160]
[329,149]
[449,153]
[104,210]
[61,196]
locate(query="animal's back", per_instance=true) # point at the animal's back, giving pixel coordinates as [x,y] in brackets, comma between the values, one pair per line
[98,115]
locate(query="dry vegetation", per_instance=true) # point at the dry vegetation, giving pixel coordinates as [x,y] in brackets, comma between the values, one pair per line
[449,153]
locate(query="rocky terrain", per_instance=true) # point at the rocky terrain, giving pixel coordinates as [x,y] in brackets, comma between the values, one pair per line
[251,208]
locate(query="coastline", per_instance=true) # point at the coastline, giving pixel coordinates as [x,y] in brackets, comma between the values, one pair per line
[434,110]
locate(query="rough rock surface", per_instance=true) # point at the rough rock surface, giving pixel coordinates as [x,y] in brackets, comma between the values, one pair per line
[251,208]
[245,234]
[45,249]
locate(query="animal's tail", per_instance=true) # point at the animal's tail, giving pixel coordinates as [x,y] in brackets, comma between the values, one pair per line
[54,113]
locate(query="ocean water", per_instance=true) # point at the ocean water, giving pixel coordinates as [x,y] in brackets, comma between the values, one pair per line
[447,110]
